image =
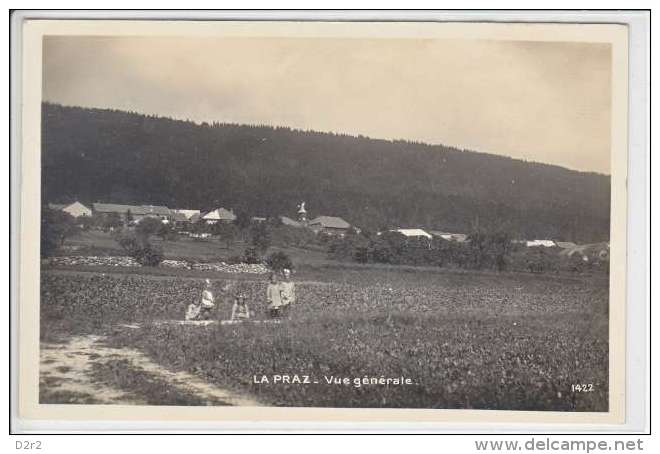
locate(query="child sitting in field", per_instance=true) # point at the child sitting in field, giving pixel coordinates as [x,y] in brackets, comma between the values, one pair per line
[202,310]
[240,310]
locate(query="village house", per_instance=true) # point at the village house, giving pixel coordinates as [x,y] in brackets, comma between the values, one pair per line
[136,212]
[108,209]
[180,220]
[186,212]
[75,209]
[158,211]
[456,237]
[413,233]
[218,215]
[331,225]
[588,252]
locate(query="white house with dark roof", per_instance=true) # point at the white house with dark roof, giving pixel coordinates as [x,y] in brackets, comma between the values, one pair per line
[75,209]
[218,215]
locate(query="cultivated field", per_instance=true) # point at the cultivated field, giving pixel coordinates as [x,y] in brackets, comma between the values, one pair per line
[466,340]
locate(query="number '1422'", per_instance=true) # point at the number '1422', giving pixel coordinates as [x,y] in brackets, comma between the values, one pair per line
[582,387]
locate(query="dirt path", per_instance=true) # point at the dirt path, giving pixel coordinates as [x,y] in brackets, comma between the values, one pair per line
[69,374]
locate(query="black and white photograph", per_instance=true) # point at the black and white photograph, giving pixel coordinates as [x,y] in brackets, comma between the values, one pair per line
[316,220]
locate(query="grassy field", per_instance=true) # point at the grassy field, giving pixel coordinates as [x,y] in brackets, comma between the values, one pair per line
[465,340]
[94,242]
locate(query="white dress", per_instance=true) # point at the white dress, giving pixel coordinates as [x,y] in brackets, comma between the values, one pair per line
[207,299]
[288,292]
[194,310]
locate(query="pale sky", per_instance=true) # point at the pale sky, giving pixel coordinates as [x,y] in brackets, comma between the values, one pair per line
[539,101]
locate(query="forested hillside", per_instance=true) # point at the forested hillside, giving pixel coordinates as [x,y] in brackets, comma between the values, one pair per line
[113,156]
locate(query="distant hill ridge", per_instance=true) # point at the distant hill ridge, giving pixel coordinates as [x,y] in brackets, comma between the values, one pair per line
[122,157]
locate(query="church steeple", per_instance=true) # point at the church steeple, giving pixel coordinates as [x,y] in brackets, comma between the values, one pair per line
[302,213]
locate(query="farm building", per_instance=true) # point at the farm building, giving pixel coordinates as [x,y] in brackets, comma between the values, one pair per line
[187,213]
[457,237]
[258,219]
[107,209]
[540,243]
[75,209]
[161,212]
[137,212]
[180,219]
[413,233]
[219,215]
[600,251]
[330,225]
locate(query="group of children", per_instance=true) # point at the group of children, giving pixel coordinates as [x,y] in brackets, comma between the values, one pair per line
[280,295]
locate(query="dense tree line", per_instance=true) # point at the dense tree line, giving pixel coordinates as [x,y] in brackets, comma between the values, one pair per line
[483,250]
[114,156]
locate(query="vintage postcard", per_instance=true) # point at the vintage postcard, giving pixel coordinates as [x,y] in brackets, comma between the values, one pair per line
[323,221]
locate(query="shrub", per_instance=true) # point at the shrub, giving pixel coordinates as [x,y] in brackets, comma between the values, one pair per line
[489,249]
[286,235]
[251,256]
[576,263]
[150,255]
[86,222]
[387,248]
[148,226]
[541,261]
[278,261]
[56,226]
[143,252]
[200,227]
[260,237]
[111,221]
[234,260]
[361,254]
[166,232]
[227,233]
[243,219]
[347,247]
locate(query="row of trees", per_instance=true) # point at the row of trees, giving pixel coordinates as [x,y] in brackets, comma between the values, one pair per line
[482,250]
[492,250]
